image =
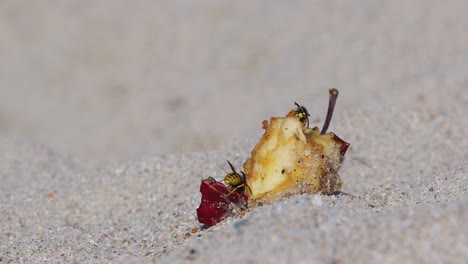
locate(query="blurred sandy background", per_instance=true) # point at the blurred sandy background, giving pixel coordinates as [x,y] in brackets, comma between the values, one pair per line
[118,79]
[103,104]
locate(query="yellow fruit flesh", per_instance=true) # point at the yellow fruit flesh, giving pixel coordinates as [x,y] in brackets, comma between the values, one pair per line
[290,159]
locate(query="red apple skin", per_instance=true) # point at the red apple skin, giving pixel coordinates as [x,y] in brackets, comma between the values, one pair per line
[218,202]
[343,144]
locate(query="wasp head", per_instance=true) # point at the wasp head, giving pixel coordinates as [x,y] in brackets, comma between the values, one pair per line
[302,114]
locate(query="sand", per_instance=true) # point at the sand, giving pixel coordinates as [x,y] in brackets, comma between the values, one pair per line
[112,112]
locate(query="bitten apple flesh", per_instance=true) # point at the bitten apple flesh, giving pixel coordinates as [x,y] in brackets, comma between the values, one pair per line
[292,159]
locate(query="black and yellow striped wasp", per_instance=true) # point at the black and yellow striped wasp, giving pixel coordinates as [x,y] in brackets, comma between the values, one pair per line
[302,114]
[237,182]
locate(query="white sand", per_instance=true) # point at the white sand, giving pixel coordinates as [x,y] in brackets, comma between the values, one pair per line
[103,104]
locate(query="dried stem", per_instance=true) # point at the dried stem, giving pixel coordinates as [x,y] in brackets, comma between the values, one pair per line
[331,107]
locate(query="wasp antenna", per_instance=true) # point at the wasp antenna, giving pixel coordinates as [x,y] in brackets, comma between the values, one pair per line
[297,104]
[331,107]
[232,167]
[250,190]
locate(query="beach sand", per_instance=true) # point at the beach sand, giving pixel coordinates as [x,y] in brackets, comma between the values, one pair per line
[111,113]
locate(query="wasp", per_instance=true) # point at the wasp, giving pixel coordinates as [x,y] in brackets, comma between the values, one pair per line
[236,182]
[302,114]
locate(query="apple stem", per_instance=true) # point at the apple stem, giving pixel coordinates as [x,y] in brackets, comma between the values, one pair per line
[331,107]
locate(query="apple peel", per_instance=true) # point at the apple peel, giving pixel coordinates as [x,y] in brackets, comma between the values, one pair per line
[218,202]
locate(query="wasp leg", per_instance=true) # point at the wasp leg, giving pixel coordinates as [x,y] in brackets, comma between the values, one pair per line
[241,186]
